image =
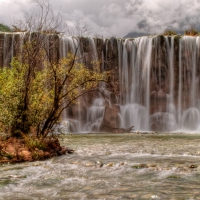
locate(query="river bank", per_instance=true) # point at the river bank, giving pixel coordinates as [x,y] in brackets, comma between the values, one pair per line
[13,150]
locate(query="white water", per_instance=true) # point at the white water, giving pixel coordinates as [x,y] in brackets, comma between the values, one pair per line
[188,116]
[152,95]
[107,167]
[141,78]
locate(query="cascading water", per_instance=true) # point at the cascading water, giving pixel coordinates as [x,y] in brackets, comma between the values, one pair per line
[94,113]
[161,83]
[158,80]
[135,85]
[188,104]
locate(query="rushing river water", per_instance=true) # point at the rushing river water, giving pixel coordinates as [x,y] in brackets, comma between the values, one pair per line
[109,166]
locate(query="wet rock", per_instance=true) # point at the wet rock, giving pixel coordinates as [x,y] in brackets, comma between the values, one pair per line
[173,177]
[69,150]
[89,164]
[46,154]
[158,101]
[99,164]
[140,166]
[15,176]
[154,197]
[110,119]
[152,165]
[185,169]
[74,162]
[150,196]
[110,164]
[193,166]
[63,151]
[36,164]
[26,155]
[143,166]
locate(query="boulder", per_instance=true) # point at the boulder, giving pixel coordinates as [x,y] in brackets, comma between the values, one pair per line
[110,119]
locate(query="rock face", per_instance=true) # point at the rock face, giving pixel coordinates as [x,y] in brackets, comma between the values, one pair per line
[155,83]
[110,118]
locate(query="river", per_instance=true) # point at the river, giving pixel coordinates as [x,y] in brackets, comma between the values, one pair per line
[110,166]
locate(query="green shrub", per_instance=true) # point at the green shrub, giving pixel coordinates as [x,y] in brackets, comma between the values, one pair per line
[192,31]
[4,28]
[169,33]
[34,143]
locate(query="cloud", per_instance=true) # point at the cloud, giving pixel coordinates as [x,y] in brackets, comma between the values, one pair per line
[114,17]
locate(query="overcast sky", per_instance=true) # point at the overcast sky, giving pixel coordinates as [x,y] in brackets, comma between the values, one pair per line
[114,17]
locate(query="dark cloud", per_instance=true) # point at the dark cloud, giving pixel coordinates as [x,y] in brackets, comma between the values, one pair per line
[142,24]
[114,17]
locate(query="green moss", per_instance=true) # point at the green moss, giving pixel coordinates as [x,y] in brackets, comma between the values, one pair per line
[140,166]
[173,177]
[35,155]
[177,37]
[136,167]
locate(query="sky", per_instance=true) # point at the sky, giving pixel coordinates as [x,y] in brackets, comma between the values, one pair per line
[114,18]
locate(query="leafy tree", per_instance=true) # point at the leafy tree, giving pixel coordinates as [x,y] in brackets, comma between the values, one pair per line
[39,86]
[36,107]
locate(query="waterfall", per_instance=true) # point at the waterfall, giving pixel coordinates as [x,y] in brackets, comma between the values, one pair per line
[93,114]
[188,107]
[159,80]
[135,82]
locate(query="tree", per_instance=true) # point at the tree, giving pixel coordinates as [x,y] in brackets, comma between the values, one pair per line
[36,89]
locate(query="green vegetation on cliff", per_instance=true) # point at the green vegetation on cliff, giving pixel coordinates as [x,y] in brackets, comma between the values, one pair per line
[4,28]
[192,31]
[169,33]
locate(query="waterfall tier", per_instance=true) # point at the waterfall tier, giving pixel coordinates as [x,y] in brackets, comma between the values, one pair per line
[159,87]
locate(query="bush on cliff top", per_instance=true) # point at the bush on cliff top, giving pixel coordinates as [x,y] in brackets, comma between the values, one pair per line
[4,28]
[169,33]
[192,31]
